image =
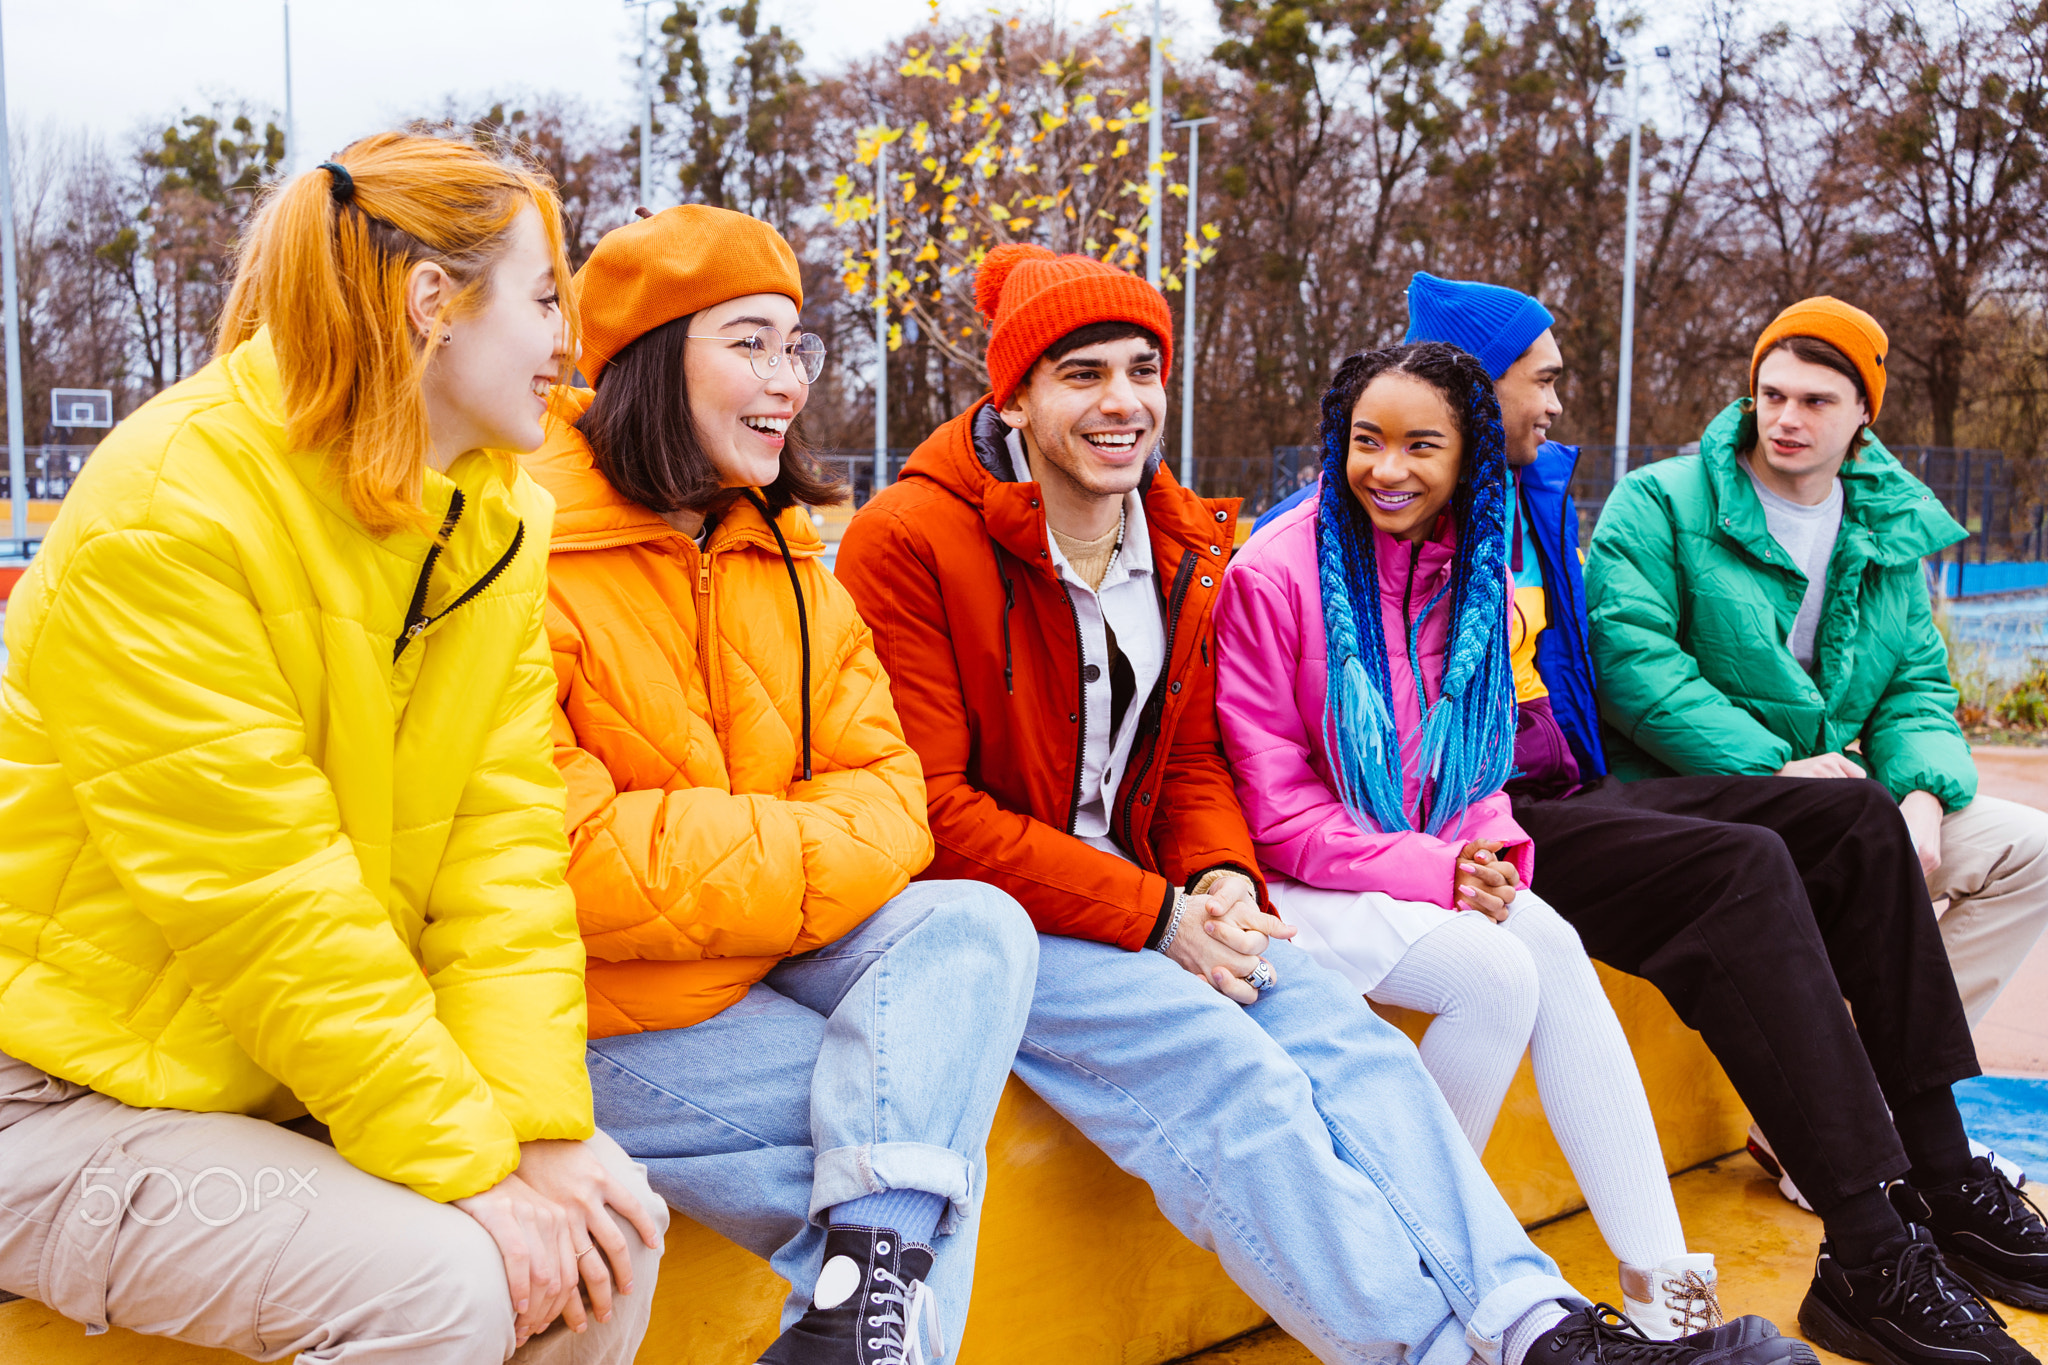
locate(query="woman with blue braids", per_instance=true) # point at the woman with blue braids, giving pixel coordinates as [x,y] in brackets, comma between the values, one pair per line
[1367,704]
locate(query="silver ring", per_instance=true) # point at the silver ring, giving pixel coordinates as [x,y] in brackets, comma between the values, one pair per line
[1260,977]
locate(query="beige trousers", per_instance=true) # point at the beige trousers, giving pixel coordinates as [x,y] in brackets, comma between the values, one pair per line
[231,1232]
[1994,872]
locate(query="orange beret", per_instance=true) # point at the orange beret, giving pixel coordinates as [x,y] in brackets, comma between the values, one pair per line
[1034,298]
[1843,326]
[676,263]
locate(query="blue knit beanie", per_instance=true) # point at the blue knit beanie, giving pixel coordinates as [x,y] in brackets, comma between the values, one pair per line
[1490,322]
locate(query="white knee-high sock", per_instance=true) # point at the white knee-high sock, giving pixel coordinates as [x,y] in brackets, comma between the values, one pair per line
[1481,985]
[1593,1095]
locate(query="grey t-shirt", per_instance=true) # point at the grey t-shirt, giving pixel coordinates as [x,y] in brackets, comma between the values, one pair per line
[1808,535]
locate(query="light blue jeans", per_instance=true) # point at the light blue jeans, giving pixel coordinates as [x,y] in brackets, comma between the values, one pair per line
[1299,1139]
[872,1063]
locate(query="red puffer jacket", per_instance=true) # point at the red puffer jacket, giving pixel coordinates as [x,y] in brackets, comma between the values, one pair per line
[950,569]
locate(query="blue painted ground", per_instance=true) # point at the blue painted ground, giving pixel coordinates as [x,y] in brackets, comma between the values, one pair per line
[2009,1115]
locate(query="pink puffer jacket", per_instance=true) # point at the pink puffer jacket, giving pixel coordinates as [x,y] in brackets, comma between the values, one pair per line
[1271,669]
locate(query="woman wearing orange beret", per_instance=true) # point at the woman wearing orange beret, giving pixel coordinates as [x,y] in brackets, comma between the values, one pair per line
[805,1050]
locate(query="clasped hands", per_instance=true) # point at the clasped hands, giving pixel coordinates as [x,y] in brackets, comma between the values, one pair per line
[1486,882]
[1222,935]
[550,1224]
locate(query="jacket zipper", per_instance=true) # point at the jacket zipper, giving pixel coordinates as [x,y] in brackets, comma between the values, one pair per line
[416,618]
[1155,705]
[704,629]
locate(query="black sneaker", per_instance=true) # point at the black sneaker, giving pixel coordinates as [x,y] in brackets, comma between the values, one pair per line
[1991,1233]
[1600,1334]
[1905,1308]
[870,1306]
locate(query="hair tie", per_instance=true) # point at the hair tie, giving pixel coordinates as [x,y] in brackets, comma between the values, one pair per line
[344,188]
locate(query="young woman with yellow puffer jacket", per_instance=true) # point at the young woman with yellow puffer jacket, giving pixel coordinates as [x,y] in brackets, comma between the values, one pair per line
[805,1049]
[284,862]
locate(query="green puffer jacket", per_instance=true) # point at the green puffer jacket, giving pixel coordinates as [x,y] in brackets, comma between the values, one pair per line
[1692,600]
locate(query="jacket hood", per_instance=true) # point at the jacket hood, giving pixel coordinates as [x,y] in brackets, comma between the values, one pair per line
[969,458]
[1905,521]
[590,514]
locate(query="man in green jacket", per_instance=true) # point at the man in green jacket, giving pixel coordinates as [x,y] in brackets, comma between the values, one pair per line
[1760,606]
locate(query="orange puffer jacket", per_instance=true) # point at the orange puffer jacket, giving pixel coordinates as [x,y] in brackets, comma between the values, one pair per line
[699,853]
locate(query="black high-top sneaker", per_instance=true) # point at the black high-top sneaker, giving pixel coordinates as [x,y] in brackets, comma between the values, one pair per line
[1907,1307]
[1600,1334]
[870,1306]
[1987,1230]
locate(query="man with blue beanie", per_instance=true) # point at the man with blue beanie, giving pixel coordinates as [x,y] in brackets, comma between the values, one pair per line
[1755,904]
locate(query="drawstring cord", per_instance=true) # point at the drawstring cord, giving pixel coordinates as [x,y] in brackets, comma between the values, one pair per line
[803,624]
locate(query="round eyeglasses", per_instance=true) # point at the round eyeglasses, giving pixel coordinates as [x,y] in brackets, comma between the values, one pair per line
[766,348]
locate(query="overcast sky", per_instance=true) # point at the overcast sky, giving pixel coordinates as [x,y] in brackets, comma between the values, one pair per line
[360,65]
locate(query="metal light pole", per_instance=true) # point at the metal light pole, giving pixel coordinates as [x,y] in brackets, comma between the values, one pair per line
[1188,272]
[291,131]
[1155,148]
[881,311]
[1628,259]
[17,463]
[646,104]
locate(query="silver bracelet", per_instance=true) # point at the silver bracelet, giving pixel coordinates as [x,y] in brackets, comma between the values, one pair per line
[1180,907]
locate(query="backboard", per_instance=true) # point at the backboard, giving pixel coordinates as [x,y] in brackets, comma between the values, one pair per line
[81,407]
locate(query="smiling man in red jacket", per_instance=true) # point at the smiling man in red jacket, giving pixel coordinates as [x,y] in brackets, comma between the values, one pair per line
[1040,590]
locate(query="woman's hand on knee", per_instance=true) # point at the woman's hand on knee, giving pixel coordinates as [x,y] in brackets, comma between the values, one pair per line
[532,1233]
[571,1175]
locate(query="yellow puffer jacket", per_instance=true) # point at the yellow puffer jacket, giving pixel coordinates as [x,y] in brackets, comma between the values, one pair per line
[700,855]
[251,864]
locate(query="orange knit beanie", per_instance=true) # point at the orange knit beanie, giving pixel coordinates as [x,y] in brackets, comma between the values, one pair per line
[1843,326]
[1034,298]
[677,262]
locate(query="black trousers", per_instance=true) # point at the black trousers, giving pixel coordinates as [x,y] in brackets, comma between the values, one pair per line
[1757,905]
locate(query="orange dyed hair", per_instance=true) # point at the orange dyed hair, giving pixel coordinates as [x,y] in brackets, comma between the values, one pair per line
[329,281]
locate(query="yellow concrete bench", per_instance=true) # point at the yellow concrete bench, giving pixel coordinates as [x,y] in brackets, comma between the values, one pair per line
[1123,1288]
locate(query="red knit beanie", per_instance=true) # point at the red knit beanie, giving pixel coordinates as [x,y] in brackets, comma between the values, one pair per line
[1034,298]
